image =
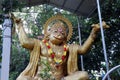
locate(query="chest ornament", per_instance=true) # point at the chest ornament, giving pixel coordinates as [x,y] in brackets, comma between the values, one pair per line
[52,54]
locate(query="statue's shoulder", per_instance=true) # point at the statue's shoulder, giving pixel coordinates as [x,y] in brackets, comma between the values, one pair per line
[38,42]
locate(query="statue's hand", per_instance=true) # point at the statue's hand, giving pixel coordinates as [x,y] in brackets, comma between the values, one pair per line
[15,19]
[97,26]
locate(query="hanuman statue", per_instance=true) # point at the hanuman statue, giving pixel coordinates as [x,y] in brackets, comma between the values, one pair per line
[54,51]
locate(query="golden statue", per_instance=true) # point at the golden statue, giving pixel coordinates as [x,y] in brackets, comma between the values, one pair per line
[54,51]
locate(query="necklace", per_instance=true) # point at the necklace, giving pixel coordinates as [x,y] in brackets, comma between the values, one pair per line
[52,54]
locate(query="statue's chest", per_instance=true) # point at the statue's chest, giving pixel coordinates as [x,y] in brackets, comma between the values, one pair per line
[57,51]
[56,54]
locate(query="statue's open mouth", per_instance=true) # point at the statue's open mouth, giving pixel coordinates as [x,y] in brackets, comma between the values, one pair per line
[57,38]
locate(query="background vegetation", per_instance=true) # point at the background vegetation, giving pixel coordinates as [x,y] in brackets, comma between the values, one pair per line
[36,16]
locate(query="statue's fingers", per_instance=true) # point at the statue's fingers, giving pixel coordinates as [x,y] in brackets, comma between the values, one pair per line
[18,20]
[15,19]
[106,26]
[95,26]
[12,17]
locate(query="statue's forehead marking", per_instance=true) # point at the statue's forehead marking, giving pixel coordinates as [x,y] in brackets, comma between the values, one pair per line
[60,29]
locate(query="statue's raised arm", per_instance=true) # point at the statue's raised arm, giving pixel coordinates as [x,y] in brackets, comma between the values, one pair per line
[87,44]
[23,38]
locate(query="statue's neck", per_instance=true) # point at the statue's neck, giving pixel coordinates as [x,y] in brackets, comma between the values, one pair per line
[56,44]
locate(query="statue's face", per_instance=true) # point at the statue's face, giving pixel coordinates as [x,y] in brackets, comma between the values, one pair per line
[57,35]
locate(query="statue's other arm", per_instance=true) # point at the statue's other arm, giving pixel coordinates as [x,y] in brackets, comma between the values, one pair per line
[23,38]
[88,43]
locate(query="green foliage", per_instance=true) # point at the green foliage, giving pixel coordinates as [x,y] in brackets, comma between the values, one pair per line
[44,74]
[18,60]
[110,14]
[1,19]
[13,75]
[9,6]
